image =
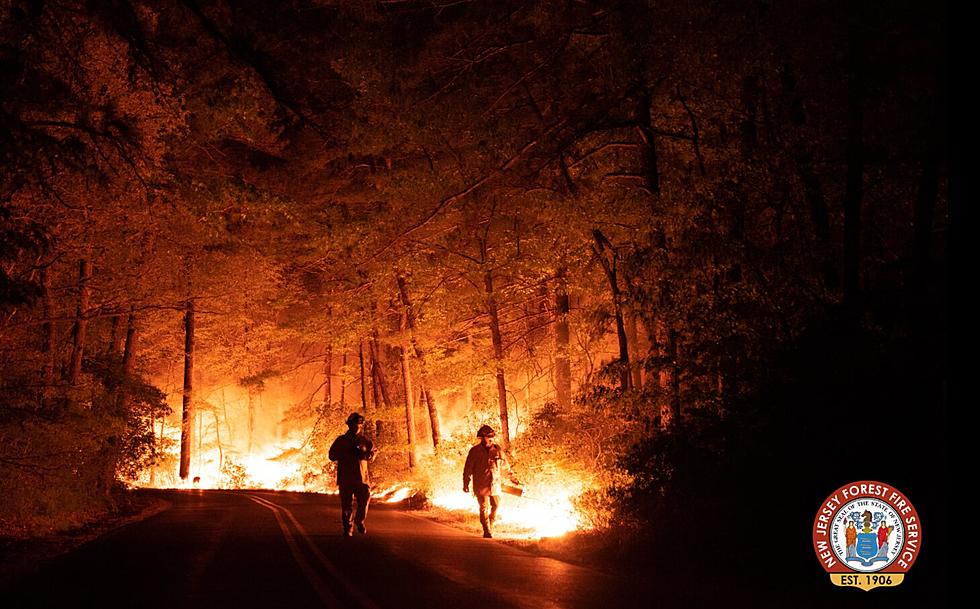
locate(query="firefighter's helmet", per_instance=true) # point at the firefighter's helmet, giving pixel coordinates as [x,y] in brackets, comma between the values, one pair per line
[486,432]
[355,418]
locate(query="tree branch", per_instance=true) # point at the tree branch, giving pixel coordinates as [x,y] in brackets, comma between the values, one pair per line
[696,138]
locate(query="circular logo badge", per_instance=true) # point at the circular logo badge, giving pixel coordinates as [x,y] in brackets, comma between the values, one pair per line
[867,534]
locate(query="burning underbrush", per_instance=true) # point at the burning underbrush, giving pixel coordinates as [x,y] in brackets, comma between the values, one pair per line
[545,504]
[563,475]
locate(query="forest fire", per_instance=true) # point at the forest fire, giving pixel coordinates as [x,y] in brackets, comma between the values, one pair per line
[544,508]
[270,471]
[262,470]
[243,442]
[667,253]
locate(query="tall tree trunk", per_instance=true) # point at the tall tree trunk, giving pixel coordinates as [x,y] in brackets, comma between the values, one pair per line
[153,469]
[224,415]
[563,367]
[113,344]
[609,266]
[409,394]
[200,443]
[343,380]
[855,163]
[163,428]
[649,142]
[251,419]
[377,371]
[633,20]
[121,400]
[328,378]
[187,420]
[812,190]
[425,397]
[128,360]
[820,217]
[48,341]
[434,422]
[360,359]
[632,336]
[375,389]
[250,389]
[528,395]
[81,322]
[498,356]
[670,407]
[119,344]
[217,438]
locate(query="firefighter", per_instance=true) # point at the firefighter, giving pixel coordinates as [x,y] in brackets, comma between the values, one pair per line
[483,466]
[352,451]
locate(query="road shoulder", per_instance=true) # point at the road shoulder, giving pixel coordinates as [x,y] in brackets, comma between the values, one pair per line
[22,557]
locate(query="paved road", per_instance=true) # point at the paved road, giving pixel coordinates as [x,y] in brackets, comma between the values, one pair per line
[284,550]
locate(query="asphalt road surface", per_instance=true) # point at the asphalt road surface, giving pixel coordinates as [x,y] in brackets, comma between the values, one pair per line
[281,550]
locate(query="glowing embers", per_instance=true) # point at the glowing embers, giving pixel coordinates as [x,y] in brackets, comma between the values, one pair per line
[543,511]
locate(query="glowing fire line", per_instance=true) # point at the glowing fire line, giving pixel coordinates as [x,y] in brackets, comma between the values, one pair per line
[540,512]
[545,509]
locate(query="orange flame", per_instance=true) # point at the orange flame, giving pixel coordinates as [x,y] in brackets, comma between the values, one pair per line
[543,511]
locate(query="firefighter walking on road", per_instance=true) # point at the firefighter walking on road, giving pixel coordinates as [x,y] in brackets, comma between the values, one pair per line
[483,466]
[352,451]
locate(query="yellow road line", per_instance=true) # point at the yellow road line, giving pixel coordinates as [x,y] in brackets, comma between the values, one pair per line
[319,586]
[352,590]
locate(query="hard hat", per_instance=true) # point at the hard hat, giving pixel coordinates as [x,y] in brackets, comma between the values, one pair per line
[486,431]
[355,418]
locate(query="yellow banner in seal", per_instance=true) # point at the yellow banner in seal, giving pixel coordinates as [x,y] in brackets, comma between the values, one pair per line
[867,581]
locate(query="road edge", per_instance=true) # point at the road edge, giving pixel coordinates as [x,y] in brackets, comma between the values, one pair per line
[21,558]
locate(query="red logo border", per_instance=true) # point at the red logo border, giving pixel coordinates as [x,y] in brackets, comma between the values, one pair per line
[874,490]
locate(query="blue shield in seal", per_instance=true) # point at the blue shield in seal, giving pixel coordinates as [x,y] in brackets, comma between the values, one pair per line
[867,545]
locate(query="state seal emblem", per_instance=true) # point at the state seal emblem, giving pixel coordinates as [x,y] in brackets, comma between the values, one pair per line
[867,535]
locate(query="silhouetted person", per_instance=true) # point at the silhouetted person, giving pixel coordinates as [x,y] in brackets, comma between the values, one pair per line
[352,452]
[483,464]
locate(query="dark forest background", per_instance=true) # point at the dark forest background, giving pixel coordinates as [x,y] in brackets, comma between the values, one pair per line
[715,231]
